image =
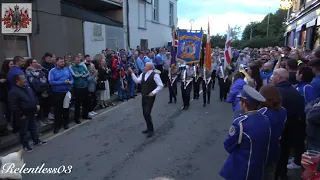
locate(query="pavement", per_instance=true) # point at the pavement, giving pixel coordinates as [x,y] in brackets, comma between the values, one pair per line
[188,145]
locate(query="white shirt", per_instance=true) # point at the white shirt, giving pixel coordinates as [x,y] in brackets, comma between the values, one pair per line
[156,79]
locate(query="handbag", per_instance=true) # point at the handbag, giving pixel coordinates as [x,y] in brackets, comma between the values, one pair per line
[101,85]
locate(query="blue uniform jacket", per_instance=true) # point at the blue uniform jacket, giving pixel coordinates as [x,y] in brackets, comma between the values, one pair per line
[307,91]
[57,78]
[315,83]
[277,122]
[247,145]
[235,90]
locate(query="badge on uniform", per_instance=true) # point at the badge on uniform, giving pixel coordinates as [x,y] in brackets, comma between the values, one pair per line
[232,131]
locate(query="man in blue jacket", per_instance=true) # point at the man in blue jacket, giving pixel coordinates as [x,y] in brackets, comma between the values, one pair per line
[16,69]
[24,104]
[61,82]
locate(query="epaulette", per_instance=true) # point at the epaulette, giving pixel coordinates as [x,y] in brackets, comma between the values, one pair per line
[241,118]
[263,110]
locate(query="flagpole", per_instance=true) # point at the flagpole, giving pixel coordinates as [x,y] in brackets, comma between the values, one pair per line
[268,22]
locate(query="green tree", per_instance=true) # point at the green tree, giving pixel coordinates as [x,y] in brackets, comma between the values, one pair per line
[257,31]
[235,32]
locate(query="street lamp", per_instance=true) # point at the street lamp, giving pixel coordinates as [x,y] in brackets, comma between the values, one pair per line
[191,22]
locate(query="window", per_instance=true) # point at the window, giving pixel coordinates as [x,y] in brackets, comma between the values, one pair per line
[16,45]
[142,15]
[155,10]
[171,23]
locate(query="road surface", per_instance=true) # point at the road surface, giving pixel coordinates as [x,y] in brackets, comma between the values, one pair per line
[188,145]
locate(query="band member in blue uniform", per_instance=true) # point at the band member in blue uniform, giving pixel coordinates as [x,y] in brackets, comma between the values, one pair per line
[197,79]
[277,115]
[186,85]
[173,79]
[206,86]
[248,140]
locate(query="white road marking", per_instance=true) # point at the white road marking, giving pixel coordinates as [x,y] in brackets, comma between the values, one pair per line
[51,136]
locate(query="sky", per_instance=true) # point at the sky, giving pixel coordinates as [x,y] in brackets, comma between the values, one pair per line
[222,12]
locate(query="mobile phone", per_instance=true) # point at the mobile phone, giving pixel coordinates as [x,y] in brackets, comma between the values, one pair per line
[282,55]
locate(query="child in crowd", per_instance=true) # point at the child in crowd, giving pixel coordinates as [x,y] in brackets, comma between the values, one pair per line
[92,83]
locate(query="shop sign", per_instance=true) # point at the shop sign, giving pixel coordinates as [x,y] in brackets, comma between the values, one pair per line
[16,18]
[309,17]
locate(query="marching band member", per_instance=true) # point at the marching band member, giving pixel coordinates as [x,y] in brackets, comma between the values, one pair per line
[196,81]
[173,79]
[206,85]
[151,84]
[221,79]
[186,85]
[166,67]
[248,140]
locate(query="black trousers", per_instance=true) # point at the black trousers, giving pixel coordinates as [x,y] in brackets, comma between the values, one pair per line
[293,137]
[165,77]
[28,124]
[206,91]
[223,89]
[147,104]
[173,90]
[213,78]
[196,87]
[186,94]
[45,105]
[92,101]
[61,115]
[81,95]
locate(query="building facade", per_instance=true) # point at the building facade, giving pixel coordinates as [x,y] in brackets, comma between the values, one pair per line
[66,27]
[149,23]
[303,24]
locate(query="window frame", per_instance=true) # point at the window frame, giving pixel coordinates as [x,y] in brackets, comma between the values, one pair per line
[171,14]
[145,14]
[28,45]
[155,10]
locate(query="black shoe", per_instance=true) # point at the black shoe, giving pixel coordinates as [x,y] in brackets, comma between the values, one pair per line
[27,148]
[66,126]
[39,143]
[78,121]
[145,132]
[150,134]
[170,102]
[175,101]
[56,130]
[106,105]
[204,105]
[102,106]
[87,118]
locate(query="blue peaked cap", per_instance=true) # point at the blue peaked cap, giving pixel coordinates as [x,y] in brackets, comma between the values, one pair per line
[251,95]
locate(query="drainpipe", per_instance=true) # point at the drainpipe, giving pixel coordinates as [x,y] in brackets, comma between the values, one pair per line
[128,28]
[37,17]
